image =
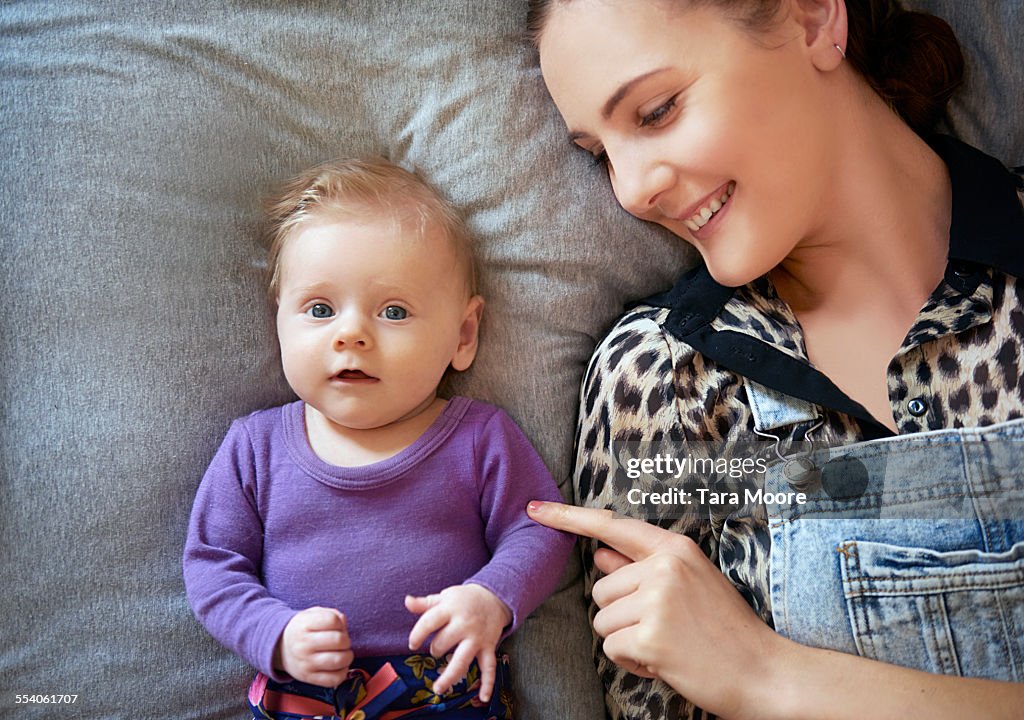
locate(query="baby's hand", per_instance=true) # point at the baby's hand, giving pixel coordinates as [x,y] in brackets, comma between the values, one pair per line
[315,647]
[470,616]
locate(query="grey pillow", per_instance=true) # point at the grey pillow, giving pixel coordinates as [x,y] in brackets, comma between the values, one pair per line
[987,111]
[137,140]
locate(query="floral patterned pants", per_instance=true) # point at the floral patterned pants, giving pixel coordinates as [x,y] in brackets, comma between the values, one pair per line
[384,688]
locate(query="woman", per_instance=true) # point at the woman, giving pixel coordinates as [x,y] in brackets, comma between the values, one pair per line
[858,283]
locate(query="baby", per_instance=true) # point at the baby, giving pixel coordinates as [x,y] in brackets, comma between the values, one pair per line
[333,535]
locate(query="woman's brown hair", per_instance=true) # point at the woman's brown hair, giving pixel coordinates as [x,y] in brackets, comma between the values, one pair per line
[911,59]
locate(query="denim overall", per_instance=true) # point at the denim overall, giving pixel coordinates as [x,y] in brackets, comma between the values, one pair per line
[910,550]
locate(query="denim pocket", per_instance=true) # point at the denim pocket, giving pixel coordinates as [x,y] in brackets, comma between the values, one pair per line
[957,613]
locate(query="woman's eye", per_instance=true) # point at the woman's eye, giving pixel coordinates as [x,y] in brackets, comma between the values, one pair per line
[321,310]
[654,117]
[394,312]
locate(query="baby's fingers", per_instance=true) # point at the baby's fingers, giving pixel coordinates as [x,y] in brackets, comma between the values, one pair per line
[430,622]
[328,669]
[419,605]
[488,667]
[456,669]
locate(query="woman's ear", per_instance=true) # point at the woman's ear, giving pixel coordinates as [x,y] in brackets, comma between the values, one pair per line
[825,28]
[469,334]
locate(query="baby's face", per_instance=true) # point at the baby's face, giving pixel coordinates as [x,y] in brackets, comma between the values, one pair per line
[369,318]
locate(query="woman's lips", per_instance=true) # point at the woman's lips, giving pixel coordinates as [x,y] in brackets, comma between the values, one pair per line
[699,215]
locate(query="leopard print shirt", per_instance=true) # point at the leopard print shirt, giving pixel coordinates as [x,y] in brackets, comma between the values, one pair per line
[961,360]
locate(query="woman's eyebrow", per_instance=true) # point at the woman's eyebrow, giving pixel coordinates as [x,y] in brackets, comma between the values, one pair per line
[616,98]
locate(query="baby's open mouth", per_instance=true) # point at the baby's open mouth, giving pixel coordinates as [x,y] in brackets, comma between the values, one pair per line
[353,375]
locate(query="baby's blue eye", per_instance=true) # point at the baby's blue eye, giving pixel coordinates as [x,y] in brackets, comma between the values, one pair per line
[321,310]
[394,312]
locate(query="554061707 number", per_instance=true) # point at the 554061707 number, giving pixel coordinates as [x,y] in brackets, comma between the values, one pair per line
[51,699]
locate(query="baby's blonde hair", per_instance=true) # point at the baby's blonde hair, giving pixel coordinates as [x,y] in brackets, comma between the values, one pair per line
[364,188]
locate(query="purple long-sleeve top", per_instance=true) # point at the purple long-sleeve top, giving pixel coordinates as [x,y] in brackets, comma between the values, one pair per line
[275,529]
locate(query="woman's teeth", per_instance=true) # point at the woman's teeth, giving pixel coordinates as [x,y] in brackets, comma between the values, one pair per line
[701,217]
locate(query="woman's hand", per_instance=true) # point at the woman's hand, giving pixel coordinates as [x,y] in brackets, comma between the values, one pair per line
[668,612]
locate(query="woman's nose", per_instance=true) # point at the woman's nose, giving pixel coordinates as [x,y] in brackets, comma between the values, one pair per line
[639,184]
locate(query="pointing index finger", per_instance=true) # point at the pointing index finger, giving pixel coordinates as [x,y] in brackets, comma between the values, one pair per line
[633,538]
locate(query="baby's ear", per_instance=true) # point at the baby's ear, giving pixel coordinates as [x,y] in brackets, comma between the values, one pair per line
[469,333]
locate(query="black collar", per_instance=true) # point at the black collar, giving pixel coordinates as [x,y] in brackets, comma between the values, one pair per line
[986,231]
[987,226]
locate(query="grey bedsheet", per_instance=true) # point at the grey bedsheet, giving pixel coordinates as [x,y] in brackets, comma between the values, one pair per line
[137,139]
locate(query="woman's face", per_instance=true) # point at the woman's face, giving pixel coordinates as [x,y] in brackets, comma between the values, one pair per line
[720,136]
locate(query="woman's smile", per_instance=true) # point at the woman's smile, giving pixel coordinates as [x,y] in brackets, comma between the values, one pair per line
[700,215]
